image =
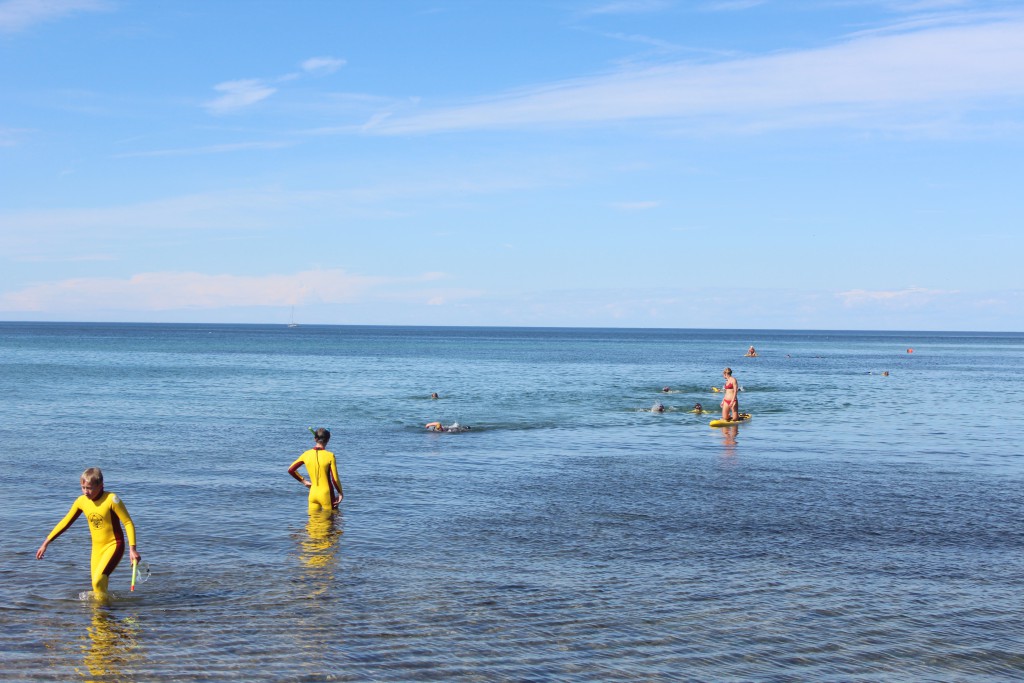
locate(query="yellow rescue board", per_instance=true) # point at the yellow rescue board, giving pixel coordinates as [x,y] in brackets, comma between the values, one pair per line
[727,423]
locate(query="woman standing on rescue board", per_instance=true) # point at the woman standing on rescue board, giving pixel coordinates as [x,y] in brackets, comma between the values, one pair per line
[730,398]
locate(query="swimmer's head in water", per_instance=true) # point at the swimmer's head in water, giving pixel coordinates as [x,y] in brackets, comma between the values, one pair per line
[698,406]
[665,389]
[434,395]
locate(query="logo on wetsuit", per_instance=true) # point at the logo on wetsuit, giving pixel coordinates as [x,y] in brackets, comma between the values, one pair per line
[96,520]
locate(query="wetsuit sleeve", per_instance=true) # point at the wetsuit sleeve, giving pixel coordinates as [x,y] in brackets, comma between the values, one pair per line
[336,478]
[293,469]
[68,520]
[129,527]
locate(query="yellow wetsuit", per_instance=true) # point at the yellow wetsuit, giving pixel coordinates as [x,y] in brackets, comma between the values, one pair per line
[105,515]
[323,473]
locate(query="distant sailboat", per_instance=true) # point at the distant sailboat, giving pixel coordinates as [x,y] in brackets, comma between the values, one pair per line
[293,323]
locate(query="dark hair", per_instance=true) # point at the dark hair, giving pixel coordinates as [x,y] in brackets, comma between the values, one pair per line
[322,435]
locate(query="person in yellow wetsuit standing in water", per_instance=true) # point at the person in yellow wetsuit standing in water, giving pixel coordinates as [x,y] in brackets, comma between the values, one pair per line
[324,484]
[106,513]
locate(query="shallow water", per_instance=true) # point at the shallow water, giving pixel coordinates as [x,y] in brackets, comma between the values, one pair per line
[859,527]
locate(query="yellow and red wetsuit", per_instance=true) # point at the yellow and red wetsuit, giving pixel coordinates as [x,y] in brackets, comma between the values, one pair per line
[323,474]
[105,515]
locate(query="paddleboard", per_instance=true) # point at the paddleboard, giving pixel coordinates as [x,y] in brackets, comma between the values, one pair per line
[728,423]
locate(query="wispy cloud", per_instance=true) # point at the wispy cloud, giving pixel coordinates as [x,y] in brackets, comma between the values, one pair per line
[78,258]
[164,291]
[322,65]
[238,95]
[242,93]
[731,5]
[871,80]
[635,206]
[628,7]
[903,298]
[26,233]
[9,137]
[209,149]
[19,15]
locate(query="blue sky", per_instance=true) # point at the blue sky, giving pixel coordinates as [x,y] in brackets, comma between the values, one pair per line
[827,164]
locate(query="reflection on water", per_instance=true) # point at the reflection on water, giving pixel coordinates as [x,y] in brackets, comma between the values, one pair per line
[319,550]
[314,639]
[111,647]
[729,439]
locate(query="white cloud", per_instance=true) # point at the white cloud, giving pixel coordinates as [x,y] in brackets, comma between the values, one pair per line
[322,65]
[216,210]
[635,206]
[909,297]
[18,15]
[873,80]
[248,91]
[209,149]
[628,7]
[731,5]
[174,291]
[9,137]
[239,94]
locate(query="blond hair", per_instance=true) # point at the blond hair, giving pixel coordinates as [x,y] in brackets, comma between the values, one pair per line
[93,475]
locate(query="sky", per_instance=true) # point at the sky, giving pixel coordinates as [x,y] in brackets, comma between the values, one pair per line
[742,164]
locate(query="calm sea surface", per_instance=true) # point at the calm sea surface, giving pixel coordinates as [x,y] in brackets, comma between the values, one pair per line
[860,527]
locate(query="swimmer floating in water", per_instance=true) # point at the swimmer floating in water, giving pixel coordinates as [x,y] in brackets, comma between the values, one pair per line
[452,428]
[658,407]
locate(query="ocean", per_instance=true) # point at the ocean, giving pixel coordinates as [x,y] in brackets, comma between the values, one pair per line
[860,527]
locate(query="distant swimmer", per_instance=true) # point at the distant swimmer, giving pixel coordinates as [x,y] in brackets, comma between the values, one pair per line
[699,409]
[658,407]
[885,373]
[105,512]
[454,427]
[434,395]
[324,483]
[751,352]
[730,400]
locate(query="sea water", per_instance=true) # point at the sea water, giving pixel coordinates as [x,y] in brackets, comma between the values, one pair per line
[861,526]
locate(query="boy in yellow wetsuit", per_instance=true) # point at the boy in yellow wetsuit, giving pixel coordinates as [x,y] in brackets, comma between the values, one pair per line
[324,484]
[105,513]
